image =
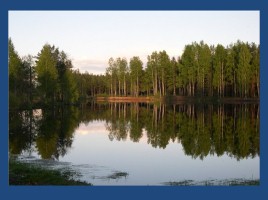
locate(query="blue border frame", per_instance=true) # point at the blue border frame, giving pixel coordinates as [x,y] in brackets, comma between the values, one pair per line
[44,192]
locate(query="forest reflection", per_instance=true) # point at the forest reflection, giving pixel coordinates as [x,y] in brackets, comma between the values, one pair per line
[49,132]
[203,130]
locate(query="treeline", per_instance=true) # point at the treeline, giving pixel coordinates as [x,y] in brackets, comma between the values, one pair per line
[201,71]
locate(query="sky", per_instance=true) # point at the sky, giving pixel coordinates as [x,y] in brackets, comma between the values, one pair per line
[90,38]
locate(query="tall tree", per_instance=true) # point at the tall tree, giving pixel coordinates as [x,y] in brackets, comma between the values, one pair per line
[255,66]
[230,71]
[219,65]
[135,73]
[30,82]
[47,74]
[67,86]
[153,67]
[165,71]
[112,71]
[244,69]
[204,63]
[18,77]
[174,74]
[188,62]
[121,65]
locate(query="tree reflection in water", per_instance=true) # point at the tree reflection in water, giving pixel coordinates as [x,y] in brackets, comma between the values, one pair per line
[204,129]
[49,132]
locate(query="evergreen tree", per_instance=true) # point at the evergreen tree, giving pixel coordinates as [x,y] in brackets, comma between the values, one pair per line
[47,74]
[188,62]
[18,78]
[219,63]
[244,70]
[135,74]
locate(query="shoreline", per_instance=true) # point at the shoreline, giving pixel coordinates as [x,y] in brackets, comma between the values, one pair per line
[28,174]
[149,99]
[178,99]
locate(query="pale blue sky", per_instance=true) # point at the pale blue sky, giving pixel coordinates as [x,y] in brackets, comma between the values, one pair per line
[90,38]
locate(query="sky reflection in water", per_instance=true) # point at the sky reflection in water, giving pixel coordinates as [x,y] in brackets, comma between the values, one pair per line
[147,165]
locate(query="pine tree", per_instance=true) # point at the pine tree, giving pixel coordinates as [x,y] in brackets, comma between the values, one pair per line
[135,73]
[47,74]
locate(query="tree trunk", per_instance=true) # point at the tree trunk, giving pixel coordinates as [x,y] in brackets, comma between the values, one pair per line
[124,85]
[137,91]
[155,85]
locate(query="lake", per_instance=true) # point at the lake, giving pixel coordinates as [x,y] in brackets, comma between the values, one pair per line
[143,143]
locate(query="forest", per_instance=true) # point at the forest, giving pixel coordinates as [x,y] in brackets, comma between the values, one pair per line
[202,71]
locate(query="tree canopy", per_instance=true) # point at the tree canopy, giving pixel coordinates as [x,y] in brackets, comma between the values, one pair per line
[201,71]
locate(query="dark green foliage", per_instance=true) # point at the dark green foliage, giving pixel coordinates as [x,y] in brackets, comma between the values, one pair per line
[47,75]
[47,81]
[136,72]
[56,82]
[201,71]
[19,78]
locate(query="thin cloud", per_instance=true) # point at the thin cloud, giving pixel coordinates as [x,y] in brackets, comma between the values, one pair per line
[91,66]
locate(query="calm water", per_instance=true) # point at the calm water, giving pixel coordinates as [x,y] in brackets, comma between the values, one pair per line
[143,144]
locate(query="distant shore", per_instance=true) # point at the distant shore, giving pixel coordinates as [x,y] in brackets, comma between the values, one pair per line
[178,99]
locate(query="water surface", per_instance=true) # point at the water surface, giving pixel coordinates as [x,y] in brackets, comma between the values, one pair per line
[143,144]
